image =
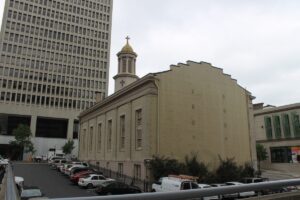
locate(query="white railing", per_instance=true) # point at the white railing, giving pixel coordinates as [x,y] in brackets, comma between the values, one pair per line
[196,193]
[12,193]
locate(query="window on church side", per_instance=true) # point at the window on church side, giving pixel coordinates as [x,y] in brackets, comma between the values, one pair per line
[99,137]
[122,132]
[91,138]
[120,169]
[130,65]
[137,171]
[83,139]
[109,134]
[138,129]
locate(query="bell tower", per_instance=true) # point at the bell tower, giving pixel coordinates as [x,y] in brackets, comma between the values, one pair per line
[126,67]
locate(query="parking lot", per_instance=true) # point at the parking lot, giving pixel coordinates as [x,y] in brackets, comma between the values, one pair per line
[52,183]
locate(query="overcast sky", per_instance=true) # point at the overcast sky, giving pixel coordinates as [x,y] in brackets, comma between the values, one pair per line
[257,42]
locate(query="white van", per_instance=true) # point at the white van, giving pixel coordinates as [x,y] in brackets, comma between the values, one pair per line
[174,183]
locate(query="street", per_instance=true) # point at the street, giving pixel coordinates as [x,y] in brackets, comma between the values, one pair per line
[52,183]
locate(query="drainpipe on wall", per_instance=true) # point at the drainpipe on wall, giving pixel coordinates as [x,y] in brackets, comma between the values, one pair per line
[130,131]
[116,142]
[157,117]
[252,140]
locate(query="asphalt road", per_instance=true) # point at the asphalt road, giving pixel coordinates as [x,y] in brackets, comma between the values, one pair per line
[52,183]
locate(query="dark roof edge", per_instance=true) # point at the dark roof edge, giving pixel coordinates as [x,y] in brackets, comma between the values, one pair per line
[132,86]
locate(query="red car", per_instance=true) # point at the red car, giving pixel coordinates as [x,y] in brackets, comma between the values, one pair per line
[75,177]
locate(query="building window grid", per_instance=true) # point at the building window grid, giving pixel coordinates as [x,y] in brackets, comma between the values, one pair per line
[54,57]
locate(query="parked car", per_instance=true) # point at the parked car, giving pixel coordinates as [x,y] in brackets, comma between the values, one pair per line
[93,180]
[68,170]
[174,183]
[254,180]
[60,163]
[76,170]
[3,161]
[19,182]
[52,159]
[264,191]
[65,167]
[240,194]
[205,186]
[37,158]
[62,167]
[75,177]
[30,192]
[115,188]
[57,162]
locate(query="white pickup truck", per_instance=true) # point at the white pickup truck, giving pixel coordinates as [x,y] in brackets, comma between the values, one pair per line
[168,184]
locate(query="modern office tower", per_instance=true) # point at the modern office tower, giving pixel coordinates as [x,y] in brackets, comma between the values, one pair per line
[54,60]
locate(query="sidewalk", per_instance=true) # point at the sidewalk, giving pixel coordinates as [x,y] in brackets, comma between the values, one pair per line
[278,175]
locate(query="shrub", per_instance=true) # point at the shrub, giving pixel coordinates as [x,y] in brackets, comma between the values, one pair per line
[228,170]
[161,166]
[194,167]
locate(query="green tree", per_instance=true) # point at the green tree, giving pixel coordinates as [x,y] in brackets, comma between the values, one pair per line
[68,147]
[261,154]
[194,167]
[22,136]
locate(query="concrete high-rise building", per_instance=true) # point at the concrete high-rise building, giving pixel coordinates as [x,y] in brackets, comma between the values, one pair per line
[54,60]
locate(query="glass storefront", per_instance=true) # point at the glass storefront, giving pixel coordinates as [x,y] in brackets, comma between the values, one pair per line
[285,154]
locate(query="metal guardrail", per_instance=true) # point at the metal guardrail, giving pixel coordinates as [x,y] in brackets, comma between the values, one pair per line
[196,193]
[11,190]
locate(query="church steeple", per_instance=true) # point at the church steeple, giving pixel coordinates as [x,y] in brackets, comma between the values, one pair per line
[126,67]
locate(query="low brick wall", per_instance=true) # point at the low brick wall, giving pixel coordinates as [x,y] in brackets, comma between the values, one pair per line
[278,196]
[290,168]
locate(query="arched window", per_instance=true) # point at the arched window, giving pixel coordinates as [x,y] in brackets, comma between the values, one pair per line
[123,64]
[130,65]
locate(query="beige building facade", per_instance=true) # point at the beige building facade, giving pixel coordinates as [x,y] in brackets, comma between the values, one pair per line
[278,130]
[192,107]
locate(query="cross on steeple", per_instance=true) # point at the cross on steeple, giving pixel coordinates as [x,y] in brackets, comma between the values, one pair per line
[122,82]
[127,38]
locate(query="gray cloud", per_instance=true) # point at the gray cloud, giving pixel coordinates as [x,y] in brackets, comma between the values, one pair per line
[255,41]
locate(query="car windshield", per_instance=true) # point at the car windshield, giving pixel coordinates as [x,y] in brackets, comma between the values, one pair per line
[31,193]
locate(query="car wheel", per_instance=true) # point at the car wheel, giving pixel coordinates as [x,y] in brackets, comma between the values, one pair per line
[109,193]
[90,186]
[153,191]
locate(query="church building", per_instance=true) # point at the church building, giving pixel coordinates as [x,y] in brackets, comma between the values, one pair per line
[191,108]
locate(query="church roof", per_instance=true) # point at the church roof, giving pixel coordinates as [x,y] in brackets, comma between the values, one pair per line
[127,48]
